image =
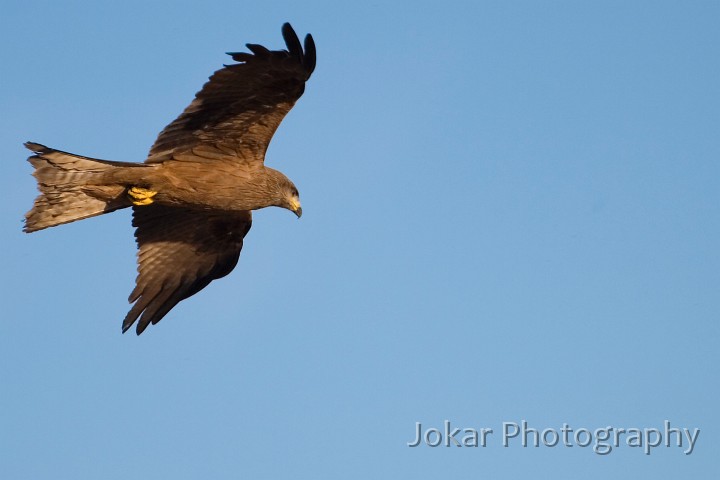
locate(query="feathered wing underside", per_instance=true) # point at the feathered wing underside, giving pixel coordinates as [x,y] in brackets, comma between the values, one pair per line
[180,252]
[241,106]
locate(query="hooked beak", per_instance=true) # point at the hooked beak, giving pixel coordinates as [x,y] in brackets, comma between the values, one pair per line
[295,207]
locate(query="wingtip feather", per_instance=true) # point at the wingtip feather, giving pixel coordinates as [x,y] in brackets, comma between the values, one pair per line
[310,56]
[292,41]
[36,147]
[258,50]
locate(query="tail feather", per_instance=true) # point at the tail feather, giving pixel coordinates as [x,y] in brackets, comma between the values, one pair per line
[71,187]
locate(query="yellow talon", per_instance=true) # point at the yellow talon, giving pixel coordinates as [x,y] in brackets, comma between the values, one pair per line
[141,196]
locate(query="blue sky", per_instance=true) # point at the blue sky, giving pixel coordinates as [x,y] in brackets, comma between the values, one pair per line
[510,213]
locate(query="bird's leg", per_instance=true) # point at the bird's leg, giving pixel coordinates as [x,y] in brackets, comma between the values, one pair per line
[141,196]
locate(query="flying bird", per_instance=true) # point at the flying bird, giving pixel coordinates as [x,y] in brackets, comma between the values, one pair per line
[193,196]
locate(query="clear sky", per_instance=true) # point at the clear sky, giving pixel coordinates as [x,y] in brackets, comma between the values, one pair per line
[511,212]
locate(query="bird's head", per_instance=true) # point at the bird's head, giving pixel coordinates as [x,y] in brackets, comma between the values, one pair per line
[292,200]
[286,193]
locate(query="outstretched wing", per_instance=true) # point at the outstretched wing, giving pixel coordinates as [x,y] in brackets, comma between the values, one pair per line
[238,110]
[180,252]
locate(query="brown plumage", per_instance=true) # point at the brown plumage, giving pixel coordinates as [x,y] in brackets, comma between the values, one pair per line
[192,197]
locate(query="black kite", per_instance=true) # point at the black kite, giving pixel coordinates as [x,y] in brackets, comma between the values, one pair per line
[192,197]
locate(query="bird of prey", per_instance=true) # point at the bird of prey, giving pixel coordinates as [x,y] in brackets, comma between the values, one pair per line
[193,196]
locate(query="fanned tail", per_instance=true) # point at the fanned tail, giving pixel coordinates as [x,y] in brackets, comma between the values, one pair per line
[71,188]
